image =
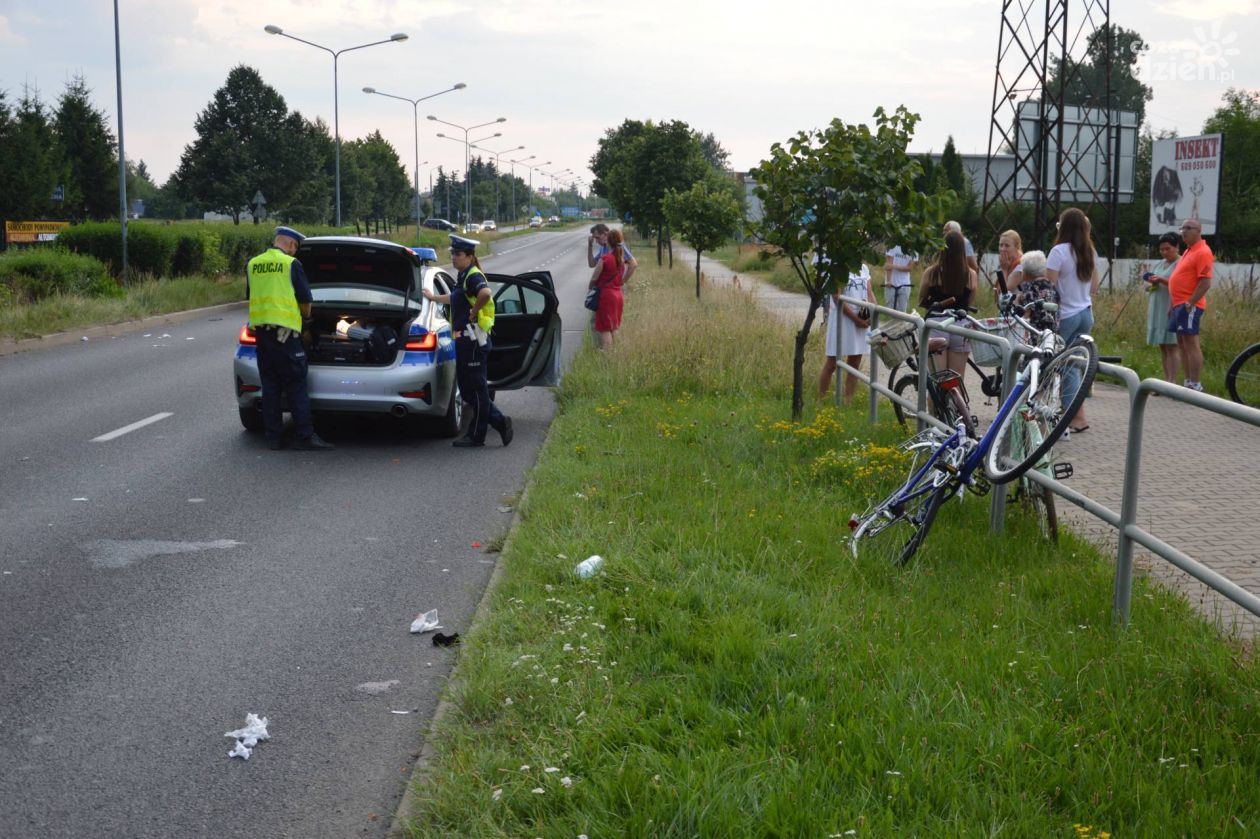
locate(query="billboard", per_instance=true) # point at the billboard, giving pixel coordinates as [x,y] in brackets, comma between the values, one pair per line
[1185,182]
[1090,138]
[29,232]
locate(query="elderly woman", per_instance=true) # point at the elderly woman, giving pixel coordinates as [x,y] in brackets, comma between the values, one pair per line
[1033,285]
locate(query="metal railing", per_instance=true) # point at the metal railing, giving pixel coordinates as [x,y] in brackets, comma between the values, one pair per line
[1124,522]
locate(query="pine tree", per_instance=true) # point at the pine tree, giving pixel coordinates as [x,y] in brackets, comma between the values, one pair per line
[88,155]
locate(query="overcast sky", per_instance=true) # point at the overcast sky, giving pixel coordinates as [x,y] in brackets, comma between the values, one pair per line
[562,71]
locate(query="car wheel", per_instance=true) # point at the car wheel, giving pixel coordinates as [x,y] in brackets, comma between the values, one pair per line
[450,425]
[251,418]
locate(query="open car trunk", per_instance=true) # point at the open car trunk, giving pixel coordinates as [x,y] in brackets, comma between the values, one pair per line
[357,337]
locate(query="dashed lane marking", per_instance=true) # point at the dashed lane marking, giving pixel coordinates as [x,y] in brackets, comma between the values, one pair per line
[127,429]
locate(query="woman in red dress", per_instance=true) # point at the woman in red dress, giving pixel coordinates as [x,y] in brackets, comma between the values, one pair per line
[609,276]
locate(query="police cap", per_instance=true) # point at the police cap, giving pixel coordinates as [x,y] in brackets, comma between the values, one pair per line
[459,243]
[291,233]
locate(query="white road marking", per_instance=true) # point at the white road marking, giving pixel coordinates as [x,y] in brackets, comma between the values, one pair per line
[127,429]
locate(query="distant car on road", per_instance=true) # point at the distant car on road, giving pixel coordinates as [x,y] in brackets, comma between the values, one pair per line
[375,346]
[553,220]
[536,221]
[489,224]
[472,227]
[439,224]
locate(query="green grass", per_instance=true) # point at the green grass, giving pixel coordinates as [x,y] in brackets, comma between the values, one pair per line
[63,312]
[734,672]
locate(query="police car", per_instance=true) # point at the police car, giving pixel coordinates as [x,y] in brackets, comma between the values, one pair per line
[376,346]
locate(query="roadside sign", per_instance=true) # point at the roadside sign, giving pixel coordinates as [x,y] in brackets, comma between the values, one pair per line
[30,232]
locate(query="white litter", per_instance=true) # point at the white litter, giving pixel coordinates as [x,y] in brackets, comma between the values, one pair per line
[505,509]
[247,738]
[400,712]
[426,622]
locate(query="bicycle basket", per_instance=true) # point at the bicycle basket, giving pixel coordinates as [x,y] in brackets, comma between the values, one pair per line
[894,343]
[990,355]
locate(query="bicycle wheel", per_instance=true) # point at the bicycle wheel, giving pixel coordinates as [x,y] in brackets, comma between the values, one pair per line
[908,387]
[927,517]
[1015,448]
[1243,378]
[950,404]
[1041,502]
[1031,495]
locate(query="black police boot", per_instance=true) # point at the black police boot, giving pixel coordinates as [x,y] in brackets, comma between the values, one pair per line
[506,431]
[314,443]
[467,443]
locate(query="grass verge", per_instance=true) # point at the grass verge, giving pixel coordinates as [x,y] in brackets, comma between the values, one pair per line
[732,671]
[142,298]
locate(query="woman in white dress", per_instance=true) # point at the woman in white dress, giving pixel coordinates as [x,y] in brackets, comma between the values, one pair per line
[846,332]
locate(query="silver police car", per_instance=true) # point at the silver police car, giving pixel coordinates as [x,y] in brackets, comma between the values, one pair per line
[376,346]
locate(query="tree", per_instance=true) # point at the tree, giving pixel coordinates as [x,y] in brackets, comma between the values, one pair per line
[1238,118]
[378,187]
[88,155]
[718,157]
[245,143]
[610,164]
[842,192]
[704,217]
[28,161]
[1083,82]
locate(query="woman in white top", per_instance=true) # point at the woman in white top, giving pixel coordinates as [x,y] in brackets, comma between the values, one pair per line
[1073,267]
[846,332]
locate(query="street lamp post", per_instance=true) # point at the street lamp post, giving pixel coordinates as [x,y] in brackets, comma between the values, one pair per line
[467,174]
[531,175]
[496,170]
[122,155]
[415,112]
[468,169]
[397,36]
[515,213]
[448,189]
[553,176]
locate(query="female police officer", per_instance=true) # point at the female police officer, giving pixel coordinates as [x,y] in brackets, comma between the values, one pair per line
[472,317]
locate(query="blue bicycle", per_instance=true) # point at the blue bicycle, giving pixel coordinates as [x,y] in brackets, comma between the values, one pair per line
[1031,420]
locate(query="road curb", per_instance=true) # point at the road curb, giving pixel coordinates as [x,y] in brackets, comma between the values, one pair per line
[61,339]
[428,751]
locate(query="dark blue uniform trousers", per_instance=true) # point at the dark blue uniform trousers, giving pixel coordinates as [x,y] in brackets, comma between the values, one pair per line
[470,371]
[282,369]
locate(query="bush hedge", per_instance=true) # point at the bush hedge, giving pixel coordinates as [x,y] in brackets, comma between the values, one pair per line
[174,250]
[30,275]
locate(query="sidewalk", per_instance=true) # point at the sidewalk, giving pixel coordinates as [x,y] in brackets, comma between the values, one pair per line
[1199,480]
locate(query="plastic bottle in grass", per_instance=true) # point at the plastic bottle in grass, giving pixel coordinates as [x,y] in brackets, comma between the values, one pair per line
[589,567]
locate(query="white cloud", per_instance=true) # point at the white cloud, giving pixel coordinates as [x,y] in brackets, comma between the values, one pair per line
[1207,9]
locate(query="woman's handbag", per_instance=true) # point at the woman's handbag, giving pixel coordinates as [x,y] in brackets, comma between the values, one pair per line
[592,299]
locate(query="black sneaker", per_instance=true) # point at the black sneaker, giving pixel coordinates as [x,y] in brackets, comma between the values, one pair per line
[312,444]
[276,444]
[506,431]
[468,443]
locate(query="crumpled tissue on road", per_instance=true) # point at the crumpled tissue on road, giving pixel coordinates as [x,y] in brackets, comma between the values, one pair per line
[247,738]
[426,622]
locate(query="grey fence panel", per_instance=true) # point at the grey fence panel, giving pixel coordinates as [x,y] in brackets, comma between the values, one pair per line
[1124,522]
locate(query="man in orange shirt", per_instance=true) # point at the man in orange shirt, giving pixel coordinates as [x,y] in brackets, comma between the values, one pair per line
[1188,287]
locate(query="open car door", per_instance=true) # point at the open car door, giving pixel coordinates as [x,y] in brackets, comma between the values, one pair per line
[525,344]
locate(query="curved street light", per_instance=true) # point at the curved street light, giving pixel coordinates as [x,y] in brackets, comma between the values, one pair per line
[399,37]
[496,169]
[415,112]
[515,212]
[467,174]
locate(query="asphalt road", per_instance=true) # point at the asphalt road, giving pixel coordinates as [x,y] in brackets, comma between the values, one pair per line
[160,584]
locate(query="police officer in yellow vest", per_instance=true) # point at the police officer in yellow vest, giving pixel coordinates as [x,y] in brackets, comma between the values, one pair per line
[472,319]
[279,301]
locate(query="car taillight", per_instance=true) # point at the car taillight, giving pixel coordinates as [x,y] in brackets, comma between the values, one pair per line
[247,338]
[427,341]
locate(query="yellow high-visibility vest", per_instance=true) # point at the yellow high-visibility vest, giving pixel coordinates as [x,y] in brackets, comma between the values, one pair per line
[485,318]
[271,297]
